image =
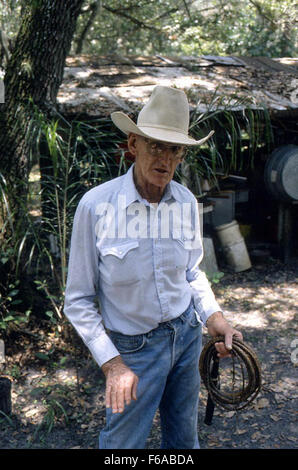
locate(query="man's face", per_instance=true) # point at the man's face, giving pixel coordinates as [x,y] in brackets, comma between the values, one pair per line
[155,162]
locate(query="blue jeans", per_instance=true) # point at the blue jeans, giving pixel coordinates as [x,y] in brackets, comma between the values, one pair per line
[166,362]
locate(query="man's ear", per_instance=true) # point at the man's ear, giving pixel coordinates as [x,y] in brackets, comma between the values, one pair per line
[131,143]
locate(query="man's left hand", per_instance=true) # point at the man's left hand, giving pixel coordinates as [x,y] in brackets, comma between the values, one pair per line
[218,326]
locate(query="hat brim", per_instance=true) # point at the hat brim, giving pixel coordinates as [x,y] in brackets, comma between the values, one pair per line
[126,125]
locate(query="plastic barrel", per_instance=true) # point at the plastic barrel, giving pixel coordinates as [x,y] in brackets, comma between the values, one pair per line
[281,173]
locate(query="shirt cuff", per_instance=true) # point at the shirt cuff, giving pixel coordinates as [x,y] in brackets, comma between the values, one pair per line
[103,349]
[206,312]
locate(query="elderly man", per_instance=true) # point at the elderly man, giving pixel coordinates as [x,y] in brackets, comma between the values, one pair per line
[136,248]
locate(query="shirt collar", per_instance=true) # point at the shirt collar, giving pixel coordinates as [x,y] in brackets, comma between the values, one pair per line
[130,191]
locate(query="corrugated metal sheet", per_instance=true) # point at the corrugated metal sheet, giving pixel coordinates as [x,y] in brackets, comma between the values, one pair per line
[96,86]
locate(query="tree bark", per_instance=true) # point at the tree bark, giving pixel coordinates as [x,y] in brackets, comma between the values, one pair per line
[5,395]
[32,79]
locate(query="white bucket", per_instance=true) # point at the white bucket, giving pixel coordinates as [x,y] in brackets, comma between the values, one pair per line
[229,233]
[234,246]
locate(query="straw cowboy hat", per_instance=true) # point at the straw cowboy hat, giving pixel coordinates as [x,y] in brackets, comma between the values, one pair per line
[165,117]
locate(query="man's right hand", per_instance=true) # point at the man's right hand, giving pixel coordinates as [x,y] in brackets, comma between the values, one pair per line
[121,384]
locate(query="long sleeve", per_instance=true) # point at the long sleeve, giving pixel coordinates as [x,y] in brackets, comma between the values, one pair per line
[82,285]
[203,296]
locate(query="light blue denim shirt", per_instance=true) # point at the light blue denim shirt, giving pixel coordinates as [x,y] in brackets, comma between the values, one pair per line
[133,264]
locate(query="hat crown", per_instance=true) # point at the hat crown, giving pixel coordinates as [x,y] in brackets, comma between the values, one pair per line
[165,117]
[166,108]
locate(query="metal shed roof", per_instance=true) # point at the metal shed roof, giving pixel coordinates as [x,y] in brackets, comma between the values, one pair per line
[97,86]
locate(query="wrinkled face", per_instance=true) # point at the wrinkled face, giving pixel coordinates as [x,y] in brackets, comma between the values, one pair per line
[155,162]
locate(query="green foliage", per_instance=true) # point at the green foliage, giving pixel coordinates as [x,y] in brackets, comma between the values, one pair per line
[55,413]
[253,27]
[11,236]
[214,278]
[190,27]
[9,299]
[10,15]
[73,157]
[240,129]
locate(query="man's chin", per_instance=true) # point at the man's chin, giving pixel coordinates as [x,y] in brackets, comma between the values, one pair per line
[160,179]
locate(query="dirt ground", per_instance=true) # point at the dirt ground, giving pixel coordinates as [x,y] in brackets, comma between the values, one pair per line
[58,391]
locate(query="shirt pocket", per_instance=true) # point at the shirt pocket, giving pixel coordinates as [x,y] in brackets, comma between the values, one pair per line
[180,253]
[119,263]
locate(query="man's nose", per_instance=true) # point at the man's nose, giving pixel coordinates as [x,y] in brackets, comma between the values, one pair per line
[166,154]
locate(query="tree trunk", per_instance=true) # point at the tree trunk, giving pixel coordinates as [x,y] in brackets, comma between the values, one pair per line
[32,79]
[5,395]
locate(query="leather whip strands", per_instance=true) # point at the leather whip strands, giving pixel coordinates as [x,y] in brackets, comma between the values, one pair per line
[236,388]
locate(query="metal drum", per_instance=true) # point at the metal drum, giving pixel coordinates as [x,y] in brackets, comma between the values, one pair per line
[281,173]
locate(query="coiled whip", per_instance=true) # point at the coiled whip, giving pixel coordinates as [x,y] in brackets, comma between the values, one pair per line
[250,377]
